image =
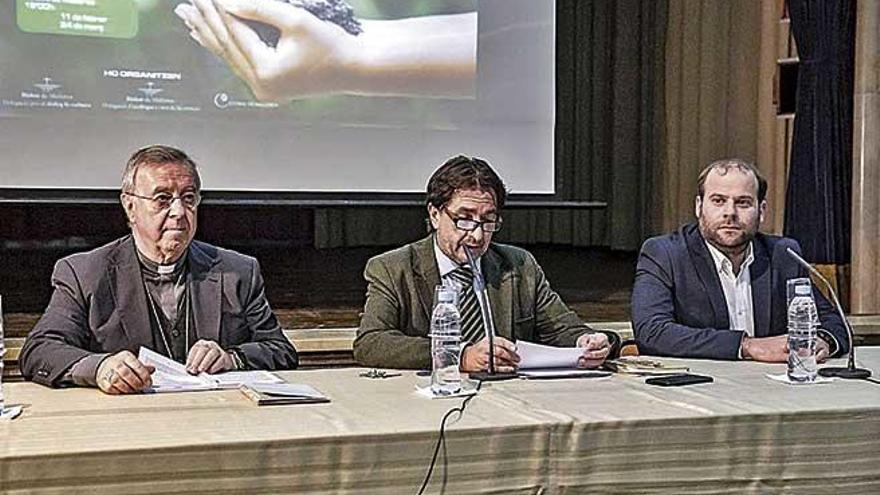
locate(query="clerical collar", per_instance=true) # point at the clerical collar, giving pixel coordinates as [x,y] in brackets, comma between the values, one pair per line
[164,270]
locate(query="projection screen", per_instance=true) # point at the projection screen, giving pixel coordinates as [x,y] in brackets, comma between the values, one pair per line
[277,95]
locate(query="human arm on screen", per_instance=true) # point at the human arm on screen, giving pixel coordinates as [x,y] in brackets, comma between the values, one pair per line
[431,56]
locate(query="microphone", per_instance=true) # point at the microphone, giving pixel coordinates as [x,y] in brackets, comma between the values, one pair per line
[850,371]
[488,321]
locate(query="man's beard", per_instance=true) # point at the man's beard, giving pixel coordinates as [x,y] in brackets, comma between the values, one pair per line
[726,244]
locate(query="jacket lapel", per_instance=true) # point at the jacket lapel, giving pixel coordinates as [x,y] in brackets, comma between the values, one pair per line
[427,275]
[127,288]
[708,275]
[761,277]
[205,283]
[499,287]
[498,283]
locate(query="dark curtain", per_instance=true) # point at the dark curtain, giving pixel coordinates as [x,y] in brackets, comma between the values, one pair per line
[609,120]
[817,202]
[609,131]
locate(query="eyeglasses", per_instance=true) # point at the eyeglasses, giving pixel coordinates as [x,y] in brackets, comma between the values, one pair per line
[470,225]
[163,201]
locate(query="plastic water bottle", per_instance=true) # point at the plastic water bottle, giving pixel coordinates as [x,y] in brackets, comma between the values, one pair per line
[802,323]
[445,342]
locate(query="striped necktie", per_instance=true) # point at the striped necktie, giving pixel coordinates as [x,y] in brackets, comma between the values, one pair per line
[471,319]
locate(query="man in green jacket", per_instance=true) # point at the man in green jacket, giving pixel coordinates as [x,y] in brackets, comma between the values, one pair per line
[465,198]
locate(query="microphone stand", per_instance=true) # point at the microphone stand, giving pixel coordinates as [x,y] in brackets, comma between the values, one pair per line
[488,323]
[850,371]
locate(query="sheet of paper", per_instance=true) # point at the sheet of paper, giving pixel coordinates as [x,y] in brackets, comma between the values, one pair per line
[10,413]
[162,363]
[544,356]
[427,394]
[171,376]
[234,379]
[783,378]
[287,390]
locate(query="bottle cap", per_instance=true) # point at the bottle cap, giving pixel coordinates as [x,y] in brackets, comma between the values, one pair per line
[446,295]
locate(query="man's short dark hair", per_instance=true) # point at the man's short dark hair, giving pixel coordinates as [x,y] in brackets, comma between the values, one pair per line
[157,154]
[464,172]
[724,166]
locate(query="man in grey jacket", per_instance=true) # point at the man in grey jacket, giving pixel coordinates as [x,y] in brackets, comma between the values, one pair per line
[158,288]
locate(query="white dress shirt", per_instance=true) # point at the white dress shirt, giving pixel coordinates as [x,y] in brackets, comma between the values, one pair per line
[737,289]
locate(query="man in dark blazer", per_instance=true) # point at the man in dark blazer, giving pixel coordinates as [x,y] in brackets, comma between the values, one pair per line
[465,197]
[155,288]
[717,289]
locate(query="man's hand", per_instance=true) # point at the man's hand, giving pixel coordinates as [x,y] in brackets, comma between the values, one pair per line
[822,350]
[476,357]
[766,349]
[208,356]
[310,57]
[775,349]
[122,373]
[596,348]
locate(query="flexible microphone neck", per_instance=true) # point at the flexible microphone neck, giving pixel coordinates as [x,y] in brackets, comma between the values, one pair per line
[849,331]
[479,282]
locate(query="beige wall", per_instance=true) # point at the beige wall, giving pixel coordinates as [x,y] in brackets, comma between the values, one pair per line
[720,66]
[865,286]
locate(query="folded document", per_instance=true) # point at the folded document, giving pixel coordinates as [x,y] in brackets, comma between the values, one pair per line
[270,394]
[640,365]
[544,356]
[171,376]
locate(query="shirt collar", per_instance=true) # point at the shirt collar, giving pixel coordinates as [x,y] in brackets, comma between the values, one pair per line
[444,263]
[722,262]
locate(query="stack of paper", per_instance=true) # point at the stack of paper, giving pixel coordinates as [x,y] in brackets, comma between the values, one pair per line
[640,365]
[270,394]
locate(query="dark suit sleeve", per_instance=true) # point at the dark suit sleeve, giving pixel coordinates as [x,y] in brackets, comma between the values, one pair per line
[380,341]
[831,327]
[267,348]
[62,335]
[555,323]
[655,325]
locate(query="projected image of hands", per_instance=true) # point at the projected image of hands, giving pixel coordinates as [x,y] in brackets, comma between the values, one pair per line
[292,49]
